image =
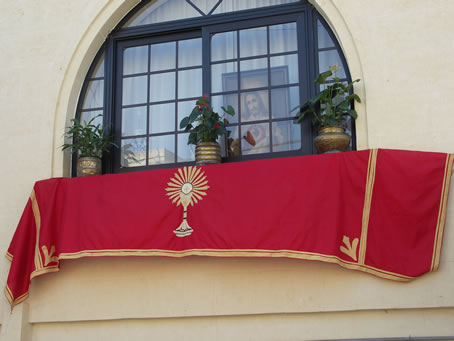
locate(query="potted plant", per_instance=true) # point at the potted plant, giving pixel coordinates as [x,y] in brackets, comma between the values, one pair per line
[205,127]
[89,142]
[330,109]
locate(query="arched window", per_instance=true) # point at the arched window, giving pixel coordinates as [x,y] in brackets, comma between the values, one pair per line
[259,56]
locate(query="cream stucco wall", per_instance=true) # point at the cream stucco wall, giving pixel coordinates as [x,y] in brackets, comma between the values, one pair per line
[400,49]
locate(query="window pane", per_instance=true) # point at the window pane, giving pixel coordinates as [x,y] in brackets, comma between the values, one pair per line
[134,90]
[224,77]
[162,150]
[94,97]
[135,60]
[256,138]
[328,58]
[283,100]
[190,83]
[190,52]
[133,152]
[134,121]
[162,56]
[162,86]
[286,136]
[186,153]
[235,5]
[161,11]
[254,73]
[184,109]
[283,38]
[218,102]
[99,69]
[205,5]
[253,42]
[324,40]
[254,106]
[224,46]
[162,118]
[86,116]
[284,69]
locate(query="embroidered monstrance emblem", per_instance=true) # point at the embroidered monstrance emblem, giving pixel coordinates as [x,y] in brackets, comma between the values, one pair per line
[186,187]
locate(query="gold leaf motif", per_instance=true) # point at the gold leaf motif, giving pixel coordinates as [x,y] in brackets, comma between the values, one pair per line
[350,249]
[48,257]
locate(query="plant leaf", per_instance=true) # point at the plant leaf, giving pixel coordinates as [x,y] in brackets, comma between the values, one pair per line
[353,114]
[184,122]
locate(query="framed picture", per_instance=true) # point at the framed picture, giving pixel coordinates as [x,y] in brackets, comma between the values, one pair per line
[257,109]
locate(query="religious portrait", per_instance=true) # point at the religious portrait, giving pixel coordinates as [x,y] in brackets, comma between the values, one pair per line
[258,109]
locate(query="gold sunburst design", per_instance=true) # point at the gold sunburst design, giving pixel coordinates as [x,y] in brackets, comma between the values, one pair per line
[188,186]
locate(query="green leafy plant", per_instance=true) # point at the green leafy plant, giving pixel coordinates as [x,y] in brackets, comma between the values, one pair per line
[332,105]
[88,139]
[205,124]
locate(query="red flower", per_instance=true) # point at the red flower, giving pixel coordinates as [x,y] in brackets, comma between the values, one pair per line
[205,96]
[217,125]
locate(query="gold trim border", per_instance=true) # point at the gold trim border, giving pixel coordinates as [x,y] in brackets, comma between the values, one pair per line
[240,253]
[37,215]
[442,212]
[370,180]
[13,302]
[211,253]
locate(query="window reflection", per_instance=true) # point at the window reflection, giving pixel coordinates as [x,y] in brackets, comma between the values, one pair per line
[161,11]
[190,83]
[133,152]
[94,97]
[283,38]
[134,121]
[134,90]
[162,118]
[324,40]
[224,46]
[161,150]
[328,58]
[254,73]
[186,153]
[162,56]
[286,136]
[189,52]
[86,116]
[135,60]
[283,100]
[162,86]
[224,77]
[284,69]
[253,42]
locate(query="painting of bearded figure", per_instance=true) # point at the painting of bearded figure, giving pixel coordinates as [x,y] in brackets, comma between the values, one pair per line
[264,124]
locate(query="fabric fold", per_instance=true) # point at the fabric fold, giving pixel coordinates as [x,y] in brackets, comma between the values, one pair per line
[378,211]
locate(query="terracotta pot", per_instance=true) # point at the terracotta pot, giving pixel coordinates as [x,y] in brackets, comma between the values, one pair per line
[88,165]
[332,140]
[207,153]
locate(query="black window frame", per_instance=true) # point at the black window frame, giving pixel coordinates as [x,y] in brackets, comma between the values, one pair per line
[301,12]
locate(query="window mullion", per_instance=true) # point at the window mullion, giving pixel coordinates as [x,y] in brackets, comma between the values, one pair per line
[268,49]
[206,56]
[306,61]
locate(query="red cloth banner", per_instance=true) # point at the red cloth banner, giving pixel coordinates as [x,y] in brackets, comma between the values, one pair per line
[377,211]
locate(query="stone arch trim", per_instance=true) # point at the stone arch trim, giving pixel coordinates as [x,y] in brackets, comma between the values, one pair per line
[333,16]
[90,42]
